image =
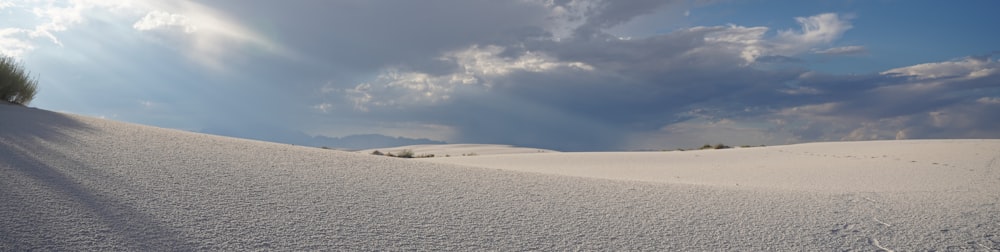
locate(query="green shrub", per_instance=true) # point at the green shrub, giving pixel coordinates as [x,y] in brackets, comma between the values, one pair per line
[16,85]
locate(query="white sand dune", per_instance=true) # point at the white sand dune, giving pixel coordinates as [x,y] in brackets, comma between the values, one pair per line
[458,150]
[76,183]
[835,167]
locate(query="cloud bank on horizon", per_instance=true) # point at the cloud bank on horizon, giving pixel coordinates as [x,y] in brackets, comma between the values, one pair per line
[557,74]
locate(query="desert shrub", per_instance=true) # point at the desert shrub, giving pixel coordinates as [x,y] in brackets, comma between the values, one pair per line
[425,156]
[16,84]
[405,154]
[714,147]
[377,153]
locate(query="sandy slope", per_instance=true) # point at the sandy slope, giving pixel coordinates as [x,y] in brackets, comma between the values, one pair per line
[76,183]
[836,167]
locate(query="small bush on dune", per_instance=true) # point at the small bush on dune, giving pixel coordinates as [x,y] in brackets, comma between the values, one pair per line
[16,85]
[405,154]
[714,147]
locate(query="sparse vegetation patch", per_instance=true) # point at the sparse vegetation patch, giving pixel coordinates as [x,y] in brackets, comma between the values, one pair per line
[406,153]
[16,84]
[714,147]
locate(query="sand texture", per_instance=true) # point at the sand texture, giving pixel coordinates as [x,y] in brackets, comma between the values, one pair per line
[77,183]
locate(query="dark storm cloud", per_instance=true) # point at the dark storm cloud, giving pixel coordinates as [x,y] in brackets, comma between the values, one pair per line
[645,84]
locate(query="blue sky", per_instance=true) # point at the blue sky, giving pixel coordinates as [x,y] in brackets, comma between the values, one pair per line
[561,74]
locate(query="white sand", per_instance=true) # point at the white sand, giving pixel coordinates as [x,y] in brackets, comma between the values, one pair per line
[836,167]
[77,183]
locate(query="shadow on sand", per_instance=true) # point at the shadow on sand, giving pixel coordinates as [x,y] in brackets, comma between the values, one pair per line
[46,193]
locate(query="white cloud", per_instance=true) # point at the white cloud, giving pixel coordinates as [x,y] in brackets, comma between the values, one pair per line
[967,68]
[816,30]
[811,110]
[989,100]
[46,18]
[324,107]
[164,20]
[212,35]
[844,50]
[479,66]
[479,62]
[747,41]
[800,91]
[750,42]
[58,18]
[12,42]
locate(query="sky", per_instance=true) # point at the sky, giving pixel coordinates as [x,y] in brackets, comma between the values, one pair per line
[570,75]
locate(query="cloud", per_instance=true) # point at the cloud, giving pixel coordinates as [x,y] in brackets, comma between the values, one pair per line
[967,68]
[477,68]
[844,50]
[581,93]
[550,74]
[43,20]
[752,44]
[640,93]
[932,100]
[351,38]
[816,30]
[989,100]
[324,107]
[163,20]
[212,37]
[778,59]
[598,16]
[12,42]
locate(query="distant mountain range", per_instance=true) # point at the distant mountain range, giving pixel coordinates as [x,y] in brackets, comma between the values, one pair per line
[351,142]
[368,141]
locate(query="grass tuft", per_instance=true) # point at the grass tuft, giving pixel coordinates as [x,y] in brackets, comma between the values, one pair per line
[16,85]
